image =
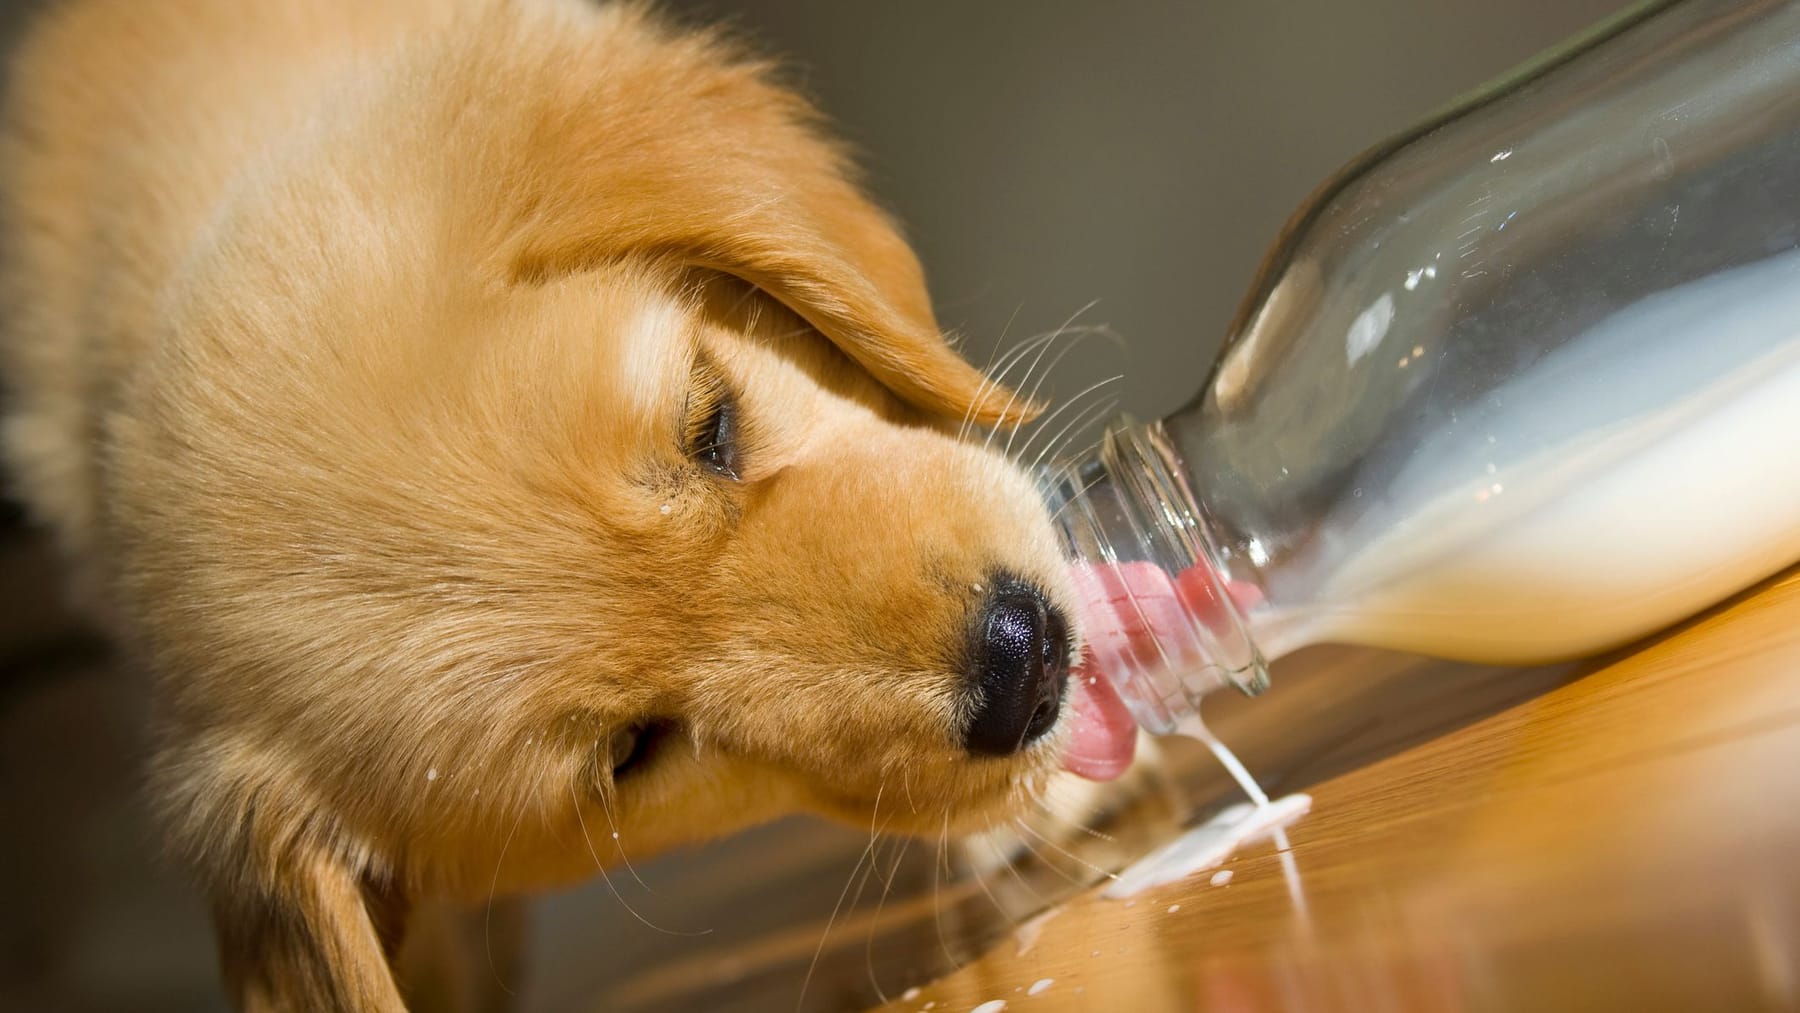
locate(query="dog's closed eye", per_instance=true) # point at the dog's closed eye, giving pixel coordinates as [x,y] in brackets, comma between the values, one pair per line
[713,424]
[633,747]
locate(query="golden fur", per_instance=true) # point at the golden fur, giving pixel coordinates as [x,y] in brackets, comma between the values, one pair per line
[349,344]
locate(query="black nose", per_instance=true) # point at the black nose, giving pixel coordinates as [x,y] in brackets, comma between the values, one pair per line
[1020,670]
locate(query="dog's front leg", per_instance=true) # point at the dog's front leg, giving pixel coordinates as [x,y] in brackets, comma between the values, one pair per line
[313,937]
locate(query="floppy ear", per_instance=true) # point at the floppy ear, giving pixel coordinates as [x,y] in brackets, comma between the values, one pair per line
[692,155]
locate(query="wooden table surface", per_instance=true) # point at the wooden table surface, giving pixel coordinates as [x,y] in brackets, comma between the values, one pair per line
[1627,839]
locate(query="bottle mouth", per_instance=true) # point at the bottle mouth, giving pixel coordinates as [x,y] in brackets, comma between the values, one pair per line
[1161,624]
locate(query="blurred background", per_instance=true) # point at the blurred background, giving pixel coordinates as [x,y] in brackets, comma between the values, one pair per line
[1139,156]
[1043,155]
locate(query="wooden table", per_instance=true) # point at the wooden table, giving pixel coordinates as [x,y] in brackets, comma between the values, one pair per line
[1627,839]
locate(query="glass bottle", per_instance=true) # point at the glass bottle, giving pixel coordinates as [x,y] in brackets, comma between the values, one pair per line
[1518,386]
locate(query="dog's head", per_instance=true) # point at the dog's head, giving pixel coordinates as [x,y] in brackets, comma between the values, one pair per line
[776,583]
[790,580]
[596,485]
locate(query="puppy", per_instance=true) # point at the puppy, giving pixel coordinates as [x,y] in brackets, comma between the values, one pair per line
[507,435]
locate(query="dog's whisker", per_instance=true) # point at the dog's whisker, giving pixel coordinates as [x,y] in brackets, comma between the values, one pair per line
[987,373]
[1043,425]
[1065,329]
[1073,404]
[1013,398]
[1046,479]
[1076,336]
[1086,449]
[981,881]
[894,868]
[993,380]
[487,918]
[1082,452]
[867,855]
[1089,484]
[872,869]
[1091,867]
[619,842]
[1072,824]
[806,982]
[1047,475]
[1043,859]
[587,839]
[1000,342]
[1052,452]
[995,374]
[1012,869]
[887,887]
[1069,428]
[875,810]
[937,897]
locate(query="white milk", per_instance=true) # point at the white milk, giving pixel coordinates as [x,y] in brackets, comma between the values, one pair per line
[1209,845]
[1664,509]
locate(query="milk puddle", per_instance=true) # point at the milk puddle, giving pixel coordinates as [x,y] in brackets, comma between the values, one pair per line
[1210,844]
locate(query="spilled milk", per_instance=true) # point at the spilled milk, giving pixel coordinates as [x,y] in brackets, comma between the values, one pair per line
[1210,844]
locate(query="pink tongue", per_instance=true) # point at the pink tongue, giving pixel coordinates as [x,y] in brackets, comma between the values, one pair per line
[1134,618]
[1103,735]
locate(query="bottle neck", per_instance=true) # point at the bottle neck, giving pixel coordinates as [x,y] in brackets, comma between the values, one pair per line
[1163,623]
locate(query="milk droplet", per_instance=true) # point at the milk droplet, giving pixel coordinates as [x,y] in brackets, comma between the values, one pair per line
[665,509]
[991,1006]
[1221,877]
[1039,986]
[1027,934]
[910,994]
[1174,908]
[615,835]
[431,775]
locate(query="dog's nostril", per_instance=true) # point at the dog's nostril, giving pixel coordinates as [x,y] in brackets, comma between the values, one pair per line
[1020,670]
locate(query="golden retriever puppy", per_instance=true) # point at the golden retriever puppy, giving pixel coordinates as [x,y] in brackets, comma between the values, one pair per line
[505,433]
